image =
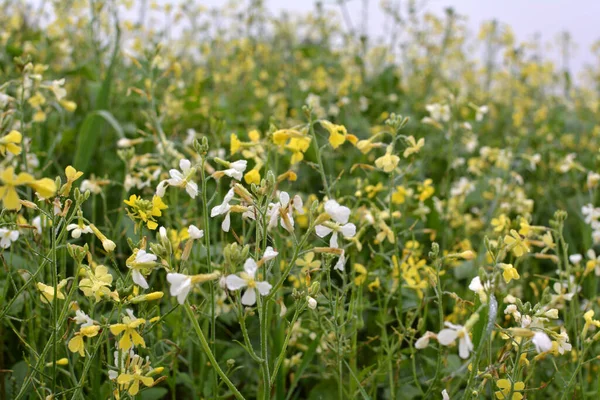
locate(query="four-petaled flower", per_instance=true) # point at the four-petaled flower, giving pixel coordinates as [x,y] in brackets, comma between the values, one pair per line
[141,263]
[449,335]
[340,215]
[247,279]
[128,329]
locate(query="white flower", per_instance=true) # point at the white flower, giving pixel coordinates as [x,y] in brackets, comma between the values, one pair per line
[246,279]
[341,262]
[269,254]
[312,303]
[7,237]
[83,319]
[423,341]
[282,211]
[195,233]
[183,178]
[479,288]
[180,286]
[78,230]
[480,112]
[339,214]
[142,260]
[445,395]
[92,186]
[448,336]
[563,341]
[224,208]
[236,169]
[575,258]
[542,342]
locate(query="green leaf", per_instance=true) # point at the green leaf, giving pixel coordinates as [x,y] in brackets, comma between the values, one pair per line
[90,132]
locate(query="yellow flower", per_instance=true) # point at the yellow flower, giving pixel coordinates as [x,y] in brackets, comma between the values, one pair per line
[72,175]
[361,274]
[235,144]
[309,261]
[501,223]
[426,190]
[376,284]
[47,293]
[337,133]
[399,195]
[136,378]
[387,162]
[11,142]
[252,176]
[8,193]
[414,146]
[516,243]
[128,329]
[145,210]
[76,344]
[97,282]
[506,387]
[254,136]
[509,272]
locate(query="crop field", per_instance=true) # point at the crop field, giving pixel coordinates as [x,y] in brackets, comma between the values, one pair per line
[232,203]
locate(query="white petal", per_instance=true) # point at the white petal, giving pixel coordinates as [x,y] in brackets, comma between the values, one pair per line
[464,346]
[340,214]
[139,279]
[476,285]
[226,224]
[239,165]
[195,233]
[333,242]
[322,231]
[178,282]
[298,205]
[341,263]
[447,336]
[185,165]
[250,267]
[263,288]
[249,297]
[234,282]
[192,189]
[284,199]
[183,294]
[176,177]
[269,254]
[348,230]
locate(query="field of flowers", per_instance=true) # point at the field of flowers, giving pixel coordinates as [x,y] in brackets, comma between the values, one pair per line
[223,203]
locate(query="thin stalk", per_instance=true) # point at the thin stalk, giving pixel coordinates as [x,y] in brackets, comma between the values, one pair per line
[209,353]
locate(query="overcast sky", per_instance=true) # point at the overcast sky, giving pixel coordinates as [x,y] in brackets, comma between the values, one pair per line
[527,17]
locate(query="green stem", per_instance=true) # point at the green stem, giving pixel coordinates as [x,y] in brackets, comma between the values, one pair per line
[209,353]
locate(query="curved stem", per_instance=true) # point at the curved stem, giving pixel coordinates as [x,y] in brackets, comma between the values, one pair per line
[209,353]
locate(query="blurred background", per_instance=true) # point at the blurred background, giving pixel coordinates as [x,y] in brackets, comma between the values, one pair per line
[547,19]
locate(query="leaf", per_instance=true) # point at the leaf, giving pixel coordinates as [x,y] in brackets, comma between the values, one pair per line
[154,393]
[90,132]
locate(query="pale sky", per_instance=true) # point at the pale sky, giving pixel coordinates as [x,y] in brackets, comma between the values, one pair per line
[527,17]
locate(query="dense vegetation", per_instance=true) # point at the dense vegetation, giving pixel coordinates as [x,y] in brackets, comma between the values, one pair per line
[225,203]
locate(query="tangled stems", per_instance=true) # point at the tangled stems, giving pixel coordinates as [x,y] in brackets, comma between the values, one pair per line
[209,353]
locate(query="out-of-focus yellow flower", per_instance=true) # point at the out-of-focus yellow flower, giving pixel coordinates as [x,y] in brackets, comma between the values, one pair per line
[509,272]
[252,176]
[8,193]
[506,387]
[361,274]
[388,162]
[10,142]
[414,146]
[337,134]
[516,243]
[76,344]
[72,175]
[47,293]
